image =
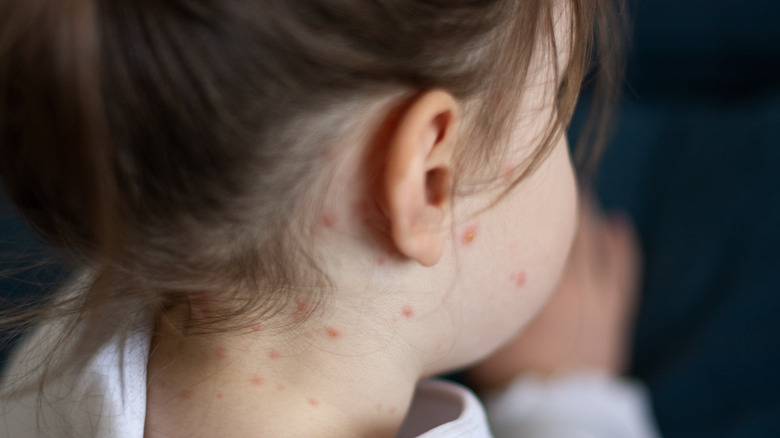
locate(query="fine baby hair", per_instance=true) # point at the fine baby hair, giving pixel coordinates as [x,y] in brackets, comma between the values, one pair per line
[178,155]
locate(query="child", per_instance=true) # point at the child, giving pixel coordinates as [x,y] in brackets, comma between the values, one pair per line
[285,215]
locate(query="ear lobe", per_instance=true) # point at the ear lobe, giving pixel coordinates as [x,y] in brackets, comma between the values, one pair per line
[417,179]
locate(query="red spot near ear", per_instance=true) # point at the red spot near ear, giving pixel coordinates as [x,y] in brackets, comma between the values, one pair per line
[301,310]
[381,260]
[255,327]
[379,407]
[313,401]
[407,311]
[279,387]
[469,234]
[273,354]
[220,395]
[186,394]
[202,307]
[392,410]
[328,220]
[222,352]
[508,172]
[333,333]
[257,380]
[518,278]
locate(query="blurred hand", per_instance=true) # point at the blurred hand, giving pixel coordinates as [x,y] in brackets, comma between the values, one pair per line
[586,324]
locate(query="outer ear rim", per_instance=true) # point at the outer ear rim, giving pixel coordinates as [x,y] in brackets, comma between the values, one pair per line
[419,160]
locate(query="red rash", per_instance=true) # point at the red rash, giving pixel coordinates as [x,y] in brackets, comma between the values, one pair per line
[469,234]
[257,380]
[332,333]
[273,354]
[508,172]
[407,311]
[255,327]
[202,307]
[380,260]
[301,309]
[518,278]
[328,220]
[220,395]
[186,394]
[313,401]
[222,352]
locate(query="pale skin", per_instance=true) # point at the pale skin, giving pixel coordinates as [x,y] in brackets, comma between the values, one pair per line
[586,324]
[441,300]
[423,284]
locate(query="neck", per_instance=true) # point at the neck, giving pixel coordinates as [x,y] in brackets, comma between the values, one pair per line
[316,379]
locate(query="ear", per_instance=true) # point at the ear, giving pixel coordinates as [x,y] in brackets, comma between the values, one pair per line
[418,171]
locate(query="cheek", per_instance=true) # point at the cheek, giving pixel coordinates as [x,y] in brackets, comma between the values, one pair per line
[497,280]
[554,221]
[516,258]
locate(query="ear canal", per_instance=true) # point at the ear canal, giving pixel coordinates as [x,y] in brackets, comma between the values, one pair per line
[438,184]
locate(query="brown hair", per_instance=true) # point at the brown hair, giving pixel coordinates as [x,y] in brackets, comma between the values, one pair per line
[165,144]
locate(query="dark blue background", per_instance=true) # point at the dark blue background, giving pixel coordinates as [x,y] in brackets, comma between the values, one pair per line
[695,160]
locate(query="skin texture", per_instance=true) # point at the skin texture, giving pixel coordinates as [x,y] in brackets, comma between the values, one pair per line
[458,278]
[585,325]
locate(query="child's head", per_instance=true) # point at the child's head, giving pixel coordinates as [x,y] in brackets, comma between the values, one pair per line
[248,154]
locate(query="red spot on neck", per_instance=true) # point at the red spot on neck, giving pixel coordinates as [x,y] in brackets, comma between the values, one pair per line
[222,352]
[273,354]
[301,310]
[257,380]
[508,172]
[381,260]
[220,395]
[407,311]
[255,327]
[328,220]
[202,307]
[313,401]
[332,333]
[518,278]
[469,234]
[186,394]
